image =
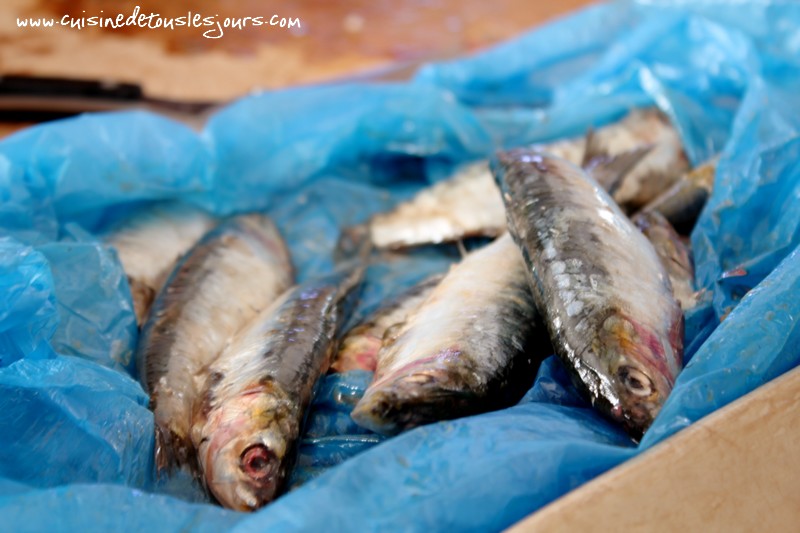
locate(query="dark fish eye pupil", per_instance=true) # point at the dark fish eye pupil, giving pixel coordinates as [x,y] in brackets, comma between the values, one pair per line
[256,461]
[636,381]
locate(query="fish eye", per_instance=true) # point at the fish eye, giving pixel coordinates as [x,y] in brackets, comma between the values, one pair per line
[636,381]
[257,462]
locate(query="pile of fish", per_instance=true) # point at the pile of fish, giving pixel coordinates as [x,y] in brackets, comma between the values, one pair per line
[589,260]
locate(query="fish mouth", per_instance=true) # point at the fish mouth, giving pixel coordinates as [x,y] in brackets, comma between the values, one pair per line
[375,413]
[241,468]
[636,420]
[245,482]
[410,402]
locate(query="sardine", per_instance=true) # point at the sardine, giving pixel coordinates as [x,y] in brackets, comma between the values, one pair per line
[472,346]
[673,253]
[656,172]
[236,270]
[682,203]
[259,388]
[469,204]
[466,205]
[150,243]
[359,347]
[604,295]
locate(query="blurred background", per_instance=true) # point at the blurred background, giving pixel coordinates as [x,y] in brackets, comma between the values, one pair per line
[361,38]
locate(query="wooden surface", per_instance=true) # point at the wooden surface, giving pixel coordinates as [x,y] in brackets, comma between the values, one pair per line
[736,470]
[334,39]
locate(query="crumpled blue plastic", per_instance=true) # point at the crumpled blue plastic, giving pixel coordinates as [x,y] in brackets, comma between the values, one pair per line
[75,432]
[67,420]
[26,209]
[28,316]
[96,319]
[89,166]
[279,141]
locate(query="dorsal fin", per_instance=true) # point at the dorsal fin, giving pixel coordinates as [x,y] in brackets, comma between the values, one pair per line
[594,149]
[610,171]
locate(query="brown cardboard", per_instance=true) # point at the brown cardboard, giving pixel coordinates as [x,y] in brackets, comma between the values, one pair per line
[736,470]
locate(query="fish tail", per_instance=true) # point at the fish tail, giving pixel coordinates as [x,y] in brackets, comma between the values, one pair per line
[354,243]
[165,460]
[172,452]
[610,172]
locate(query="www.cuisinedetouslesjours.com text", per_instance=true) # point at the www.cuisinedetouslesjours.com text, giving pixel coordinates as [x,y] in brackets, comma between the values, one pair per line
[214,25]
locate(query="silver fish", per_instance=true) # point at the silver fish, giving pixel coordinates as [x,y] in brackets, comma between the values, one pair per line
[150,243]
[673,253]
[359,347]
[682,203]
[656,172]
[603,293]
[472,346]
[234,272]
[259,388]
[469,204]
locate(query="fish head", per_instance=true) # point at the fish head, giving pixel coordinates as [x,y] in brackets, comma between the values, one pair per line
[641,368]
[429,390]
[245,450]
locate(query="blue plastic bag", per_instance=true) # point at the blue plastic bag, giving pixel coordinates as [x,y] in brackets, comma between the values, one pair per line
[78,433]
[28,316]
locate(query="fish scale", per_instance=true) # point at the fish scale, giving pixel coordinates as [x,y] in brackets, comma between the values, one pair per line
[598,283]
[151,242]
[674,254]
[247,433]
[472,345]
[235,271]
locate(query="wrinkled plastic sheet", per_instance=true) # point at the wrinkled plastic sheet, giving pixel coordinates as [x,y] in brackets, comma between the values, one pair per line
[76,432]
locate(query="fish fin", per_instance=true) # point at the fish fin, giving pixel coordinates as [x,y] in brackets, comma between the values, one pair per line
[143,296]
[461,249]
[594,149]
[426,284]
[651,185]
[173,452]
[610,172]
[354,242]
[643,220]
[165,459]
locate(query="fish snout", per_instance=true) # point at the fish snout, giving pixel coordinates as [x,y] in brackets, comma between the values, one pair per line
[373,412]
[242,473]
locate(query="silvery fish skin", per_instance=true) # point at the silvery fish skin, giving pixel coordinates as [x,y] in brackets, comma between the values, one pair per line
[673,253]
[603,293]
[359,347]
[469,204]
[472,346]
[247,430]
[236,270]
[149,244]
[682,203]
